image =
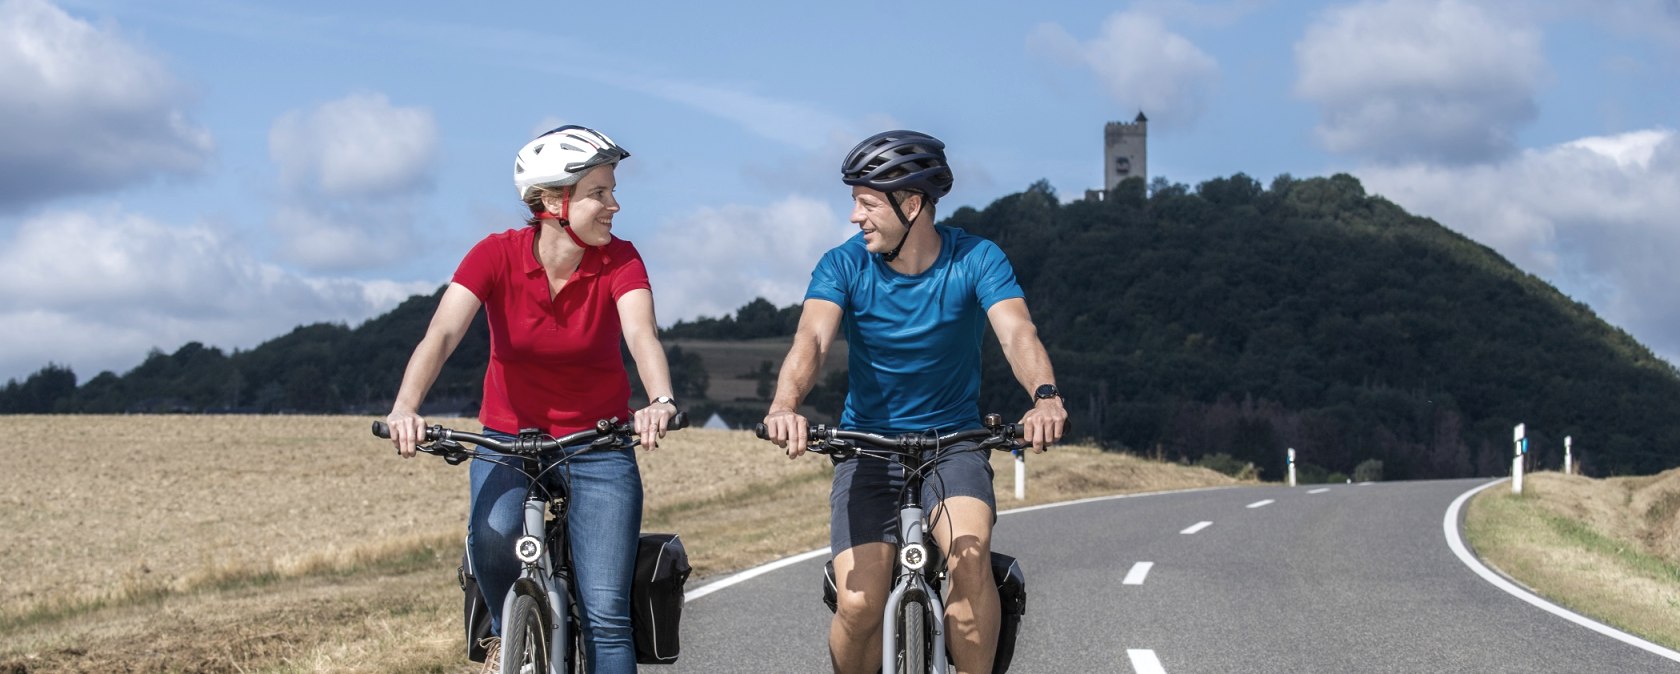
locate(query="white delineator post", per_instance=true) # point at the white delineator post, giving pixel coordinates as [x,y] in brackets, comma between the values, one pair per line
[1291,466]
[1566,457]
[1021,476]
[1517,463]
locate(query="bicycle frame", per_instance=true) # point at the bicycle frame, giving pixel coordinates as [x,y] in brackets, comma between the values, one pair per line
[911,581]
[544,549]
[913,547]
[546,573]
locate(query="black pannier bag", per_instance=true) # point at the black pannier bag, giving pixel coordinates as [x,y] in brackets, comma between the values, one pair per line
[1012,599]
[1012,595]
[476,612]
[656,597]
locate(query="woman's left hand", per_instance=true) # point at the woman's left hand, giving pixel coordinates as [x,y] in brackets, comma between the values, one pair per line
[651,422]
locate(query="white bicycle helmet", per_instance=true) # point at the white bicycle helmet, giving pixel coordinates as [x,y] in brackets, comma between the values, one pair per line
[560,157]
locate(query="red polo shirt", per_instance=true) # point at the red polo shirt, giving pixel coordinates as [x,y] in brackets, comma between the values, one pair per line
[554,364]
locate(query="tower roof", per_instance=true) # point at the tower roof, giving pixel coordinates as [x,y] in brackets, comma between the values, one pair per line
[1140,117]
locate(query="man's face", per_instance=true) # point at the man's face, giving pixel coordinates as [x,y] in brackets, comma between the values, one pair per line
[881,227]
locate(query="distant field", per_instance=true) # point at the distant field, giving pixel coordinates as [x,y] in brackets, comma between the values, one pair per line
[727,361]
[303,544]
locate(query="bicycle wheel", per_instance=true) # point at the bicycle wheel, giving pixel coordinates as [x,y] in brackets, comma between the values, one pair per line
[525,638]
[912,637]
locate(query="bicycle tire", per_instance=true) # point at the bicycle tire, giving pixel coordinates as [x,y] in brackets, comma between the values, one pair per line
[525,637]
[913,637]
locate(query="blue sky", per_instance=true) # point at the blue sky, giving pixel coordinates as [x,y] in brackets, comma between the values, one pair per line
[221,171]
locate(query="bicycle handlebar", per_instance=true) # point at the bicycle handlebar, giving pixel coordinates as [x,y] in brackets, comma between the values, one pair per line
[996,435]
[526,444]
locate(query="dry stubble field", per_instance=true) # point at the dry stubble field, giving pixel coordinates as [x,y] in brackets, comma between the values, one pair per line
[1607,548]
[303,544]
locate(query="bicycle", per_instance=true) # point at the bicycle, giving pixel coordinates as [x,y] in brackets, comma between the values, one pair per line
[913,620]
[541,621]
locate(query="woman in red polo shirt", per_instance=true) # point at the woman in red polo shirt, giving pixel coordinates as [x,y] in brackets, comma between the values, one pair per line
[559,294]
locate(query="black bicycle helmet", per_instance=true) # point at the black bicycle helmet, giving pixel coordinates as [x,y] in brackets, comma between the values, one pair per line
[899,160]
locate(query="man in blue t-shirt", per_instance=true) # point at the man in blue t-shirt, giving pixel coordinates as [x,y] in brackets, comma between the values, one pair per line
[914,298]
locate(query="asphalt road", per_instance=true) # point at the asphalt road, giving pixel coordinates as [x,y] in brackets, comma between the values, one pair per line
[1345,578]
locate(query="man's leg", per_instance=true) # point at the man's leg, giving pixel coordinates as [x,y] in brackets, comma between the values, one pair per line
[861,576]
[963,527]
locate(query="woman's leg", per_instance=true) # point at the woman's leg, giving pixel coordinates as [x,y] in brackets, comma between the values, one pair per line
[495,521]
[605,522]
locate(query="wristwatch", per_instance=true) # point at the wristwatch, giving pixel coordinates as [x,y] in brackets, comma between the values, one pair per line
[1046,391]
[663,399]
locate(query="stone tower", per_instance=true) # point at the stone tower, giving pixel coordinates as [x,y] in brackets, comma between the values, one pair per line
[1125,151]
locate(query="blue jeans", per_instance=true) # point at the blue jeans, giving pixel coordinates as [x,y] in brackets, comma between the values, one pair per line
[604,520]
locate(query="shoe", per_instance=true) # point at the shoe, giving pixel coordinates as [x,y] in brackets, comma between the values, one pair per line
[492,655]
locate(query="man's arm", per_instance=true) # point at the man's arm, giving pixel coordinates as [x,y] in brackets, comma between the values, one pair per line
[819,321]
[1019,337]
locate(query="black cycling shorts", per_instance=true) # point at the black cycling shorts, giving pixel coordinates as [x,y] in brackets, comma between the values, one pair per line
[864,500]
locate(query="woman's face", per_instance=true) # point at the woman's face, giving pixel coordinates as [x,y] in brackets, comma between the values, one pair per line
[593,206]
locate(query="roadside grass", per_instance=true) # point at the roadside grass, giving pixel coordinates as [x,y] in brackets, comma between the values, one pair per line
[300,544]
[1603,548]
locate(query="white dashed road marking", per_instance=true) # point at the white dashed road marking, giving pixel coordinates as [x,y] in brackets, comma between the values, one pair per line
[1135,576]
[1261,504]
[1195,528]
[1144,661]
[1319,490]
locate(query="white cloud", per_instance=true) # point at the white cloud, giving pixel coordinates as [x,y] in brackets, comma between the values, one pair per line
[357,146]
[348,166]
[85,110]
[1594,216]
[1139,62]
[722,257]
[1436,80]
[97,290]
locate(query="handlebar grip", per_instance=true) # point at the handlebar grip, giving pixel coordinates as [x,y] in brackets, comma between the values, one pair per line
[678,422]
[381,430]
[762,432]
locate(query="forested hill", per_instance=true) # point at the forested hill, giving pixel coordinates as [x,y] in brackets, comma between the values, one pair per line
[1225,319]
[1312,315]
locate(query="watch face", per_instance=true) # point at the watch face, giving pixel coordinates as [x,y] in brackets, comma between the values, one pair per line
[1046,391]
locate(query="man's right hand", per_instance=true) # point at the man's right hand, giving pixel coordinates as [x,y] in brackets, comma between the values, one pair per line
[788,429]
[407,430]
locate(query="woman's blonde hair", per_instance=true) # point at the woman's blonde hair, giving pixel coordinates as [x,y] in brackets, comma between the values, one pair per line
[535,201]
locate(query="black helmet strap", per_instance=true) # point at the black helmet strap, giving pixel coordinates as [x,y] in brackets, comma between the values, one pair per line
[891,255]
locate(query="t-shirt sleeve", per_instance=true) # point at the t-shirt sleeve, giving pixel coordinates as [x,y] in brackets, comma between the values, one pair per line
[481,268]
[631,274]
[996,278]
[831,278]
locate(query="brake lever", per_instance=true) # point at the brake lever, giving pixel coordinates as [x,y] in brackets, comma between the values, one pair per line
[453,452]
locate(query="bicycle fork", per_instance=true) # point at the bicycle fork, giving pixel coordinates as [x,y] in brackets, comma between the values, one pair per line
[913,558]
[538,579]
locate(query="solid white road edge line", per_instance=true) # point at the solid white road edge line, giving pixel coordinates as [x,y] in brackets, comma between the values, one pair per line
[1196,527]
[1144,661]
[762,569]
[1261,504]
[1449,525]
[751,573]
[1137,574]
[1320,490]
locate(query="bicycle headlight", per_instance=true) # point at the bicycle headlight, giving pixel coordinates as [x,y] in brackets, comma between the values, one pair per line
[913,556]
[528,549]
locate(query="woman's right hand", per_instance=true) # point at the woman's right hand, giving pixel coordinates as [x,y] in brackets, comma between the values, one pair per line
[407,429]
[787,429]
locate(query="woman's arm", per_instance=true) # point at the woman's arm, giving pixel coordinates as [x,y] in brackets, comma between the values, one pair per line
[641,336]
[449,324]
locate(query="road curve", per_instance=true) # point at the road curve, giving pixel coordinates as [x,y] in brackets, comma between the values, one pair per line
[1345,578]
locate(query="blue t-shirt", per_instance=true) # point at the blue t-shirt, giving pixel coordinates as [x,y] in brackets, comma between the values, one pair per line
[914,341]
